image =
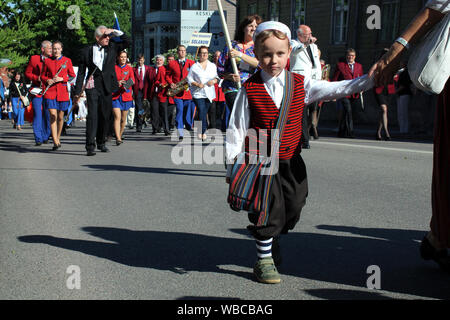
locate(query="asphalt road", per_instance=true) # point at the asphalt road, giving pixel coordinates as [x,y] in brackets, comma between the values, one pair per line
[135,224]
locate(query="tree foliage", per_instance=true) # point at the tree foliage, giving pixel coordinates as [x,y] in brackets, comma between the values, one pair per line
[26,23]
[14,42]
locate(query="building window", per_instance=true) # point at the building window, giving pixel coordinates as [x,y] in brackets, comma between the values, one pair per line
[389,20]
[191,5]
[147,49]
[340,21]
[138,8]
[138,47]
[299,13]
[170,5]
[251,8]
[154,5]
[168,43]
[274,10]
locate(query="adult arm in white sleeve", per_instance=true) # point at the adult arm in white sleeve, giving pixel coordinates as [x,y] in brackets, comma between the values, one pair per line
[297,45]
[317,90]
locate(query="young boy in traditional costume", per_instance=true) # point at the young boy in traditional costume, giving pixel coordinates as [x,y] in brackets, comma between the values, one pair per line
[257,107]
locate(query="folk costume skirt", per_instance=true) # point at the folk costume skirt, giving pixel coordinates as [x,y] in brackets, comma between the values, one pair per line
[288,197]
[440,186]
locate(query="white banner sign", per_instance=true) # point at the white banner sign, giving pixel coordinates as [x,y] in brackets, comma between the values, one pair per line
[199,39]
[201,22]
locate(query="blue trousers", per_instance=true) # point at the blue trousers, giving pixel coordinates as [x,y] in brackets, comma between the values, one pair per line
[19,111]
[203,106]
[70,115]
[185,114]
[41,120]
[225,114]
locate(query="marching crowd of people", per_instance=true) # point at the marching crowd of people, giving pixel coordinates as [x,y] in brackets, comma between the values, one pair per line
[176,91]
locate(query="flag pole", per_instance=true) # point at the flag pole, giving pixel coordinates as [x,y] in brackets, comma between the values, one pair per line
[227,39]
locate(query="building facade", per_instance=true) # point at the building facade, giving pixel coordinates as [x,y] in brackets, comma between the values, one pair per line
[156,24]
[337,24]
[342,24]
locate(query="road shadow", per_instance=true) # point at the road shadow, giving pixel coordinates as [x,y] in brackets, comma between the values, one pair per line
[23,142]
[364,133]
[339,259]
[183,172]
[177,252]
[344,259]
[44,148]
[342,294]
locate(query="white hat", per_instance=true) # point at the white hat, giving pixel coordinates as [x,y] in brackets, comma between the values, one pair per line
[272,25]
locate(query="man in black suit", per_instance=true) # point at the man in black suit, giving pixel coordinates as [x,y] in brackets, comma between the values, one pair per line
[101,82]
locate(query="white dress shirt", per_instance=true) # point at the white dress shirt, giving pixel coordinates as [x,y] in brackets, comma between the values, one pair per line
[141,71]
[98,56]
[200,75]
[315,90]
[351,66]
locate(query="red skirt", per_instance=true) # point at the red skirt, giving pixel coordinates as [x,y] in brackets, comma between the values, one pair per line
[440,187]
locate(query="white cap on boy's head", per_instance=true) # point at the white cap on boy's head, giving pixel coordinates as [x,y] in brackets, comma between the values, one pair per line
[272,25]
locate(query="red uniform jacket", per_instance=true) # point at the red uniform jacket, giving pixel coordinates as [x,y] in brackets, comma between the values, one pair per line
[175,74]
[151,77]
[59,90]
[390,87]
[343,72]
[141,82]
[124,73]
[34,69]
[162,86]
[220,96]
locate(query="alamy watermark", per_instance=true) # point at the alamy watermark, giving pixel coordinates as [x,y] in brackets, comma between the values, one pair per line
[374,20]
[193,150]
[74,20]
[374,280]
[74,279]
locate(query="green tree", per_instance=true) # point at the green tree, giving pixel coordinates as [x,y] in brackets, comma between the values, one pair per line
[48,20]
[14,42]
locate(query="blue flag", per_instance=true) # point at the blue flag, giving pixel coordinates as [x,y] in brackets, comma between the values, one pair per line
[117,27]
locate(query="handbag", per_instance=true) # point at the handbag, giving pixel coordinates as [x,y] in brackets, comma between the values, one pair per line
[24,99]
[429,64]
[252,175]
[36,91]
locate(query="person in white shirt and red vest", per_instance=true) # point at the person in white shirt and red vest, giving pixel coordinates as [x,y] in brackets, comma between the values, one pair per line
[256,108]
[58,71]
[350,69]
[145,76]
[435,244]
